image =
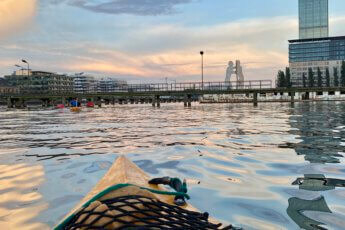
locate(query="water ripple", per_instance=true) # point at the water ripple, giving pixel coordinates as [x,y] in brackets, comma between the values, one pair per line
[241,163]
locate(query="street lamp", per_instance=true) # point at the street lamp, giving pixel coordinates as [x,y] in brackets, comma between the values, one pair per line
[171,83]
[21,68]
[202,69]
[24,61]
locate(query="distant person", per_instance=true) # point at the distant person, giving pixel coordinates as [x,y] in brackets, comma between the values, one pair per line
[74,103]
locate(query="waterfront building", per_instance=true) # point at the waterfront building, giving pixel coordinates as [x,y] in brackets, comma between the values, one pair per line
[40,82]
[315,53]
[313,19]
[6,89]
[89,84]
[108,85]
[85,84]
[314,49]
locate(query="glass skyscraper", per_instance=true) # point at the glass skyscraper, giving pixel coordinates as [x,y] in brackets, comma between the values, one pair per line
[313,19]
[320,49]
[314,49]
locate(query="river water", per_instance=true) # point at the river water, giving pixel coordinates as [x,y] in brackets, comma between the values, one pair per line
[242,163]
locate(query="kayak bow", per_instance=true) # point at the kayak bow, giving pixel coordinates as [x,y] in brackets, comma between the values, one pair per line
[126,180]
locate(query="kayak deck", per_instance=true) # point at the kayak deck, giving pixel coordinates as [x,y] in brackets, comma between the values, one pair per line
[123,171]
[125,180]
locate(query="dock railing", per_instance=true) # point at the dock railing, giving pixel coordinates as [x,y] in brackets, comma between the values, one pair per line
[206,86]
[198,87]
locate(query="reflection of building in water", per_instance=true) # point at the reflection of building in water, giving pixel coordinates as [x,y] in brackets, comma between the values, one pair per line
[319,143]
[315,125]
[297,206]
[318,182]
[311,182]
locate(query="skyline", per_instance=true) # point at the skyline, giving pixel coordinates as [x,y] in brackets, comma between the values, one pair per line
[150,40]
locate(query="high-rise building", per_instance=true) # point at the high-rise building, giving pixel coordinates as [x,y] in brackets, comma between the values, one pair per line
[314,49]
[324,53]
[313,19]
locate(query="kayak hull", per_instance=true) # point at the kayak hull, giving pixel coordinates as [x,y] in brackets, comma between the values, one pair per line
[75,109]
[123,171]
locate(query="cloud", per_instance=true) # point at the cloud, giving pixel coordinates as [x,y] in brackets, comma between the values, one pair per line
[15,15]
[260,43]
[134,7]
[163,50]
[169,50]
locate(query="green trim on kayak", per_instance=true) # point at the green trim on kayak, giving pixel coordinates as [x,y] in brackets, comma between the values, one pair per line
[116,187]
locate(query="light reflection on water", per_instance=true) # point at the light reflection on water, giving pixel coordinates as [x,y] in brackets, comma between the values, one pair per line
[242,162]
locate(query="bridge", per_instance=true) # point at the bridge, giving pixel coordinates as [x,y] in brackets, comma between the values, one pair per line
[169,92]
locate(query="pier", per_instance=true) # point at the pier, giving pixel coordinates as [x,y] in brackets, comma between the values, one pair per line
[155,94]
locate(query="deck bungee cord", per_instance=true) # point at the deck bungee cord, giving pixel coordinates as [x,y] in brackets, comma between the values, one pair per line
[139,203]
[136,212]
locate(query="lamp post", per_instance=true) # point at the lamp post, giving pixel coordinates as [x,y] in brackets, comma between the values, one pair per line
[21,68]
[24,61]
[174,82]
[202,69]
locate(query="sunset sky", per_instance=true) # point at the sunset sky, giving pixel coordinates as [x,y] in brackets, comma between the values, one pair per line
[148,40]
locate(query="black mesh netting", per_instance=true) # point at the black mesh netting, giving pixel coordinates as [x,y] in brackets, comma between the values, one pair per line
[138,212]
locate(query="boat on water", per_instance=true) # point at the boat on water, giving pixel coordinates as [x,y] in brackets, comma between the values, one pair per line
[60,106]
[75,105]
[75,109]
[90,104]
[126,198]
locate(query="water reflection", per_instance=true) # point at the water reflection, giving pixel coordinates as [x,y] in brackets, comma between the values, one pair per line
[20,200]
[318,182]
[297,206]
[241,160]
[319,131]
[317,126]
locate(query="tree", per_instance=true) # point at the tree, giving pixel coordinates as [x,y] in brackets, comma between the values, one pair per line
[304,78]
[319,77]
[336,78]
[342,74]
[288,77]
[311,77]
[328,78]
[281,79]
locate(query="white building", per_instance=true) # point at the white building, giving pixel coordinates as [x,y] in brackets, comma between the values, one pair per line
[108,85]
[85,84]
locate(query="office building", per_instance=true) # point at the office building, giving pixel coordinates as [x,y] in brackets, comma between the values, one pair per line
[85,84]
[108,85]
[317,53]
[6,89]
[313,19]
[315,49]
[89,84]
[40,82]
